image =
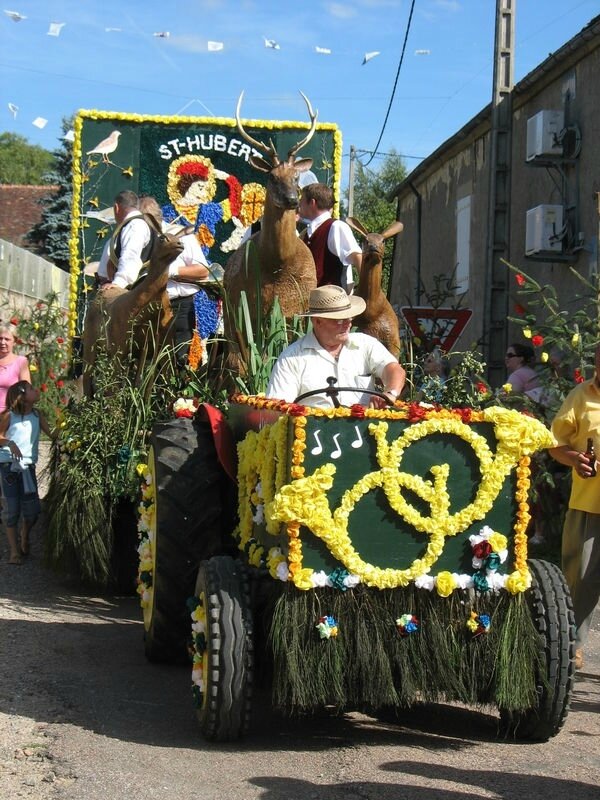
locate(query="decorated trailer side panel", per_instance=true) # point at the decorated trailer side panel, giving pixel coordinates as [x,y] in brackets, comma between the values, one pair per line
[197,168]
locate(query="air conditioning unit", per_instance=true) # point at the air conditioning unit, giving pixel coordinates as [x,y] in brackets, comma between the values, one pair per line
[542,132]
[543,223]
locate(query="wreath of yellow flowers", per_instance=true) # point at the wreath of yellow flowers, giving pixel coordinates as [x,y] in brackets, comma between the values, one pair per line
[304,502]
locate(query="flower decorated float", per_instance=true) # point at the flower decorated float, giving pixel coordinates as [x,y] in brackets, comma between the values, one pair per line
[380,560]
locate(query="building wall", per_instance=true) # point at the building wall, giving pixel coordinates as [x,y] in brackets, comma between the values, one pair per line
[462,167]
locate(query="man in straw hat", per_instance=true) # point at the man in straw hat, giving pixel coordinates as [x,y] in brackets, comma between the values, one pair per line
[330,350]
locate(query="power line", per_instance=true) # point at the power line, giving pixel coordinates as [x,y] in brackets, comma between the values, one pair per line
[412,7]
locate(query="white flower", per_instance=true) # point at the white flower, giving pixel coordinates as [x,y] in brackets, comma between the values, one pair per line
[320,579]
[496,581]
[350,581]
[425,582]
[198,627]
[463,581]
[259,515]
[477,563]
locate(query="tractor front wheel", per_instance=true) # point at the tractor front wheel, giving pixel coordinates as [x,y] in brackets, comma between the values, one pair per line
[224,701]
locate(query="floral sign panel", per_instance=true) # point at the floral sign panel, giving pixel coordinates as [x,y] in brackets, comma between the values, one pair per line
[197,168]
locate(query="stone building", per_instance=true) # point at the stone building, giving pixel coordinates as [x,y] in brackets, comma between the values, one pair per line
[553,213]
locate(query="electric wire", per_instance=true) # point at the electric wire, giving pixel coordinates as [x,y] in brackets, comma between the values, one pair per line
[412,8]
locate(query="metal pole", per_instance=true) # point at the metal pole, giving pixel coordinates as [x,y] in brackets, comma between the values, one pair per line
[351,181]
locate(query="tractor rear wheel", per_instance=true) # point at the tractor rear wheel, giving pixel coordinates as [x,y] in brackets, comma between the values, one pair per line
[190,517]
[552,613]
[227,660]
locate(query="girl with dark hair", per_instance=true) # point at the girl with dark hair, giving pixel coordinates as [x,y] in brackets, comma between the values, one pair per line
[20,427]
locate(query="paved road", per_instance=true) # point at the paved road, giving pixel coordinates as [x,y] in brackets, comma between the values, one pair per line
[83,716]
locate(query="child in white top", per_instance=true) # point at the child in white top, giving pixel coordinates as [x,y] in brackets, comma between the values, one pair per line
[20,427]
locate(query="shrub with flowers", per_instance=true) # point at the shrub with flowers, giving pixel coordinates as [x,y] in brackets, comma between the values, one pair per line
[42,337]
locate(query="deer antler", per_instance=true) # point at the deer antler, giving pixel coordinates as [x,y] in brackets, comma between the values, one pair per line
[267,150]
[310,134]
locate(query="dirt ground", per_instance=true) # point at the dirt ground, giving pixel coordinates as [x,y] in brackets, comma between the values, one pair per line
[83,716]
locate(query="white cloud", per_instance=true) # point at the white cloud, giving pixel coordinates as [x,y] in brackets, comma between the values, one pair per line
[189,44]
[448,5]
[340,10]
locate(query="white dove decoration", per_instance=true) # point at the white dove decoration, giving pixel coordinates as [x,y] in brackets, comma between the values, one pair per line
[106,146]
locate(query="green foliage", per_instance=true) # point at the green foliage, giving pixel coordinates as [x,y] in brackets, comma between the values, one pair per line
[50,237]
[260,348]
[22,163]
[101,441]
[42,337]
[370,664]
[564,339]
[371,204]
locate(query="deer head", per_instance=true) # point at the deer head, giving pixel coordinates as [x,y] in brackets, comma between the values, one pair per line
[375,242]
[282,183]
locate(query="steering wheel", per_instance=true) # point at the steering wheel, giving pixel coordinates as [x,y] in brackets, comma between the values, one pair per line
[332,392]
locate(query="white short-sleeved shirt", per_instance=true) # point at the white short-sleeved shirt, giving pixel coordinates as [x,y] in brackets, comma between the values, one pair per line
[340,241]
[134,237]
[191,254]
[305,365]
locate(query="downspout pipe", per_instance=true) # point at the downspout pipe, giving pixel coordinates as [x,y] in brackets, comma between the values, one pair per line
[415,191]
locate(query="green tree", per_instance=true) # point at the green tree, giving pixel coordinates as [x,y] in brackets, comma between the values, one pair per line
[20,162]
[50,237]
[371,204]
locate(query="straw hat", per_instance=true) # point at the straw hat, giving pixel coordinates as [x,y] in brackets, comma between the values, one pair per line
[332,302]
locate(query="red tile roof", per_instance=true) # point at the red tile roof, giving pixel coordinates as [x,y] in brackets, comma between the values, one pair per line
[20,211]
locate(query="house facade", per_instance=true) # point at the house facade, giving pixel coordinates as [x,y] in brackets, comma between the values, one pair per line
[552,217]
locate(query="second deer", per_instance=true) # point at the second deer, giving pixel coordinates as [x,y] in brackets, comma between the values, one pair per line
[379,318]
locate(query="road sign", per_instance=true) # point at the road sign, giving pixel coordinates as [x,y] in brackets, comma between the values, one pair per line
[437,326]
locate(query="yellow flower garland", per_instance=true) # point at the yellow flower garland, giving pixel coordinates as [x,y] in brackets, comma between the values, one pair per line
[304,500]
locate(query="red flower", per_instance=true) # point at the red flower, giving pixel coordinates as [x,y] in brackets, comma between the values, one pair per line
[578,376]
[43,387]
[184,412]
[482,550]
[296,410]
[519,279]
[465,414]
[39,305]
[481,387]
[60,384]
[357,411]
[51,374]
[537,340]
[14,320]
[60,340]
[519,309]
[416,412]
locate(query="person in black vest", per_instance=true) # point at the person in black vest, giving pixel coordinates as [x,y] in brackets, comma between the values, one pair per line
[133,241]
[331,242]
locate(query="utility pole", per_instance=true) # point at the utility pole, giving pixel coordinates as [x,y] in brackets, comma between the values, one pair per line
[498,232]
[351,181]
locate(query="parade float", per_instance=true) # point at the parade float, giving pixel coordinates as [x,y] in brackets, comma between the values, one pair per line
[380,560]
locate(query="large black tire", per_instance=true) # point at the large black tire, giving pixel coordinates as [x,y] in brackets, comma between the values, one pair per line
[192,517]
[552,613]
[222,585]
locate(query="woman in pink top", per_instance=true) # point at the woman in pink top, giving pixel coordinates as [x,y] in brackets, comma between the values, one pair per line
[522,378]
[13,368]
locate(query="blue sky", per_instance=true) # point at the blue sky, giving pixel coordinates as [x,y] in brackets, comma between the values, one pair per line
[132,70]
